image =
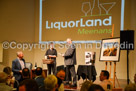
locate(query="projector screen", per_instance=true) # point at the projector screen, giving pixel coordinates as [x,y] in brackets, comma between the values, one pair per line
[81,20]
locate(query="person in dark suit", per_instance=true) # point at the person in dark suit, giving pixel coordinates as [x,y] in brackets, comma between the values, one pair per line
[70,62]
[17,65]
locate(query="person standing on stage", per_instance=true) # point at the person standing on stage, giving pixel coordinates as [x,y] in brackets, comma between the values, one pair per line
[70,62]
[17,66]
[51,53]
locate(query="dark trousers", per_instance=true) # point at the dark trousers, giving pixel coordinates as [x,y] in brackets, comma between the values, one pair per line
[70,71]
[51,67]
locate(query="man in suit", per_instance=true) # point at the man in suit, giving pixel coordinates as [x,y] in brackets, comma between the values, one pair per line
[18,65]
[70,62]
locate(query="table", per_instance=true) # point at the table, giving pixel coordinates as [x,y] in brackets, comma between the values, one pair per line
[44,73]
[87,72]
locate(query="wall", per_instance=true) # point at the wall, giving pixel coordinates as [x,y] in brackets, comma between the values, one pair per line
[1,52]
[16,24]
[19,22]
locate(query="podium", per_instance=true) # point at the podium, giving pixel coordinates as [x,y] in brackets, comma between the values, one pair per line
[47,61]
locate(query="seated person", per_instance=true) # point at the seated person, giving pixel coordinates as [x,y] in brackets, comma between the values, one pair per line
[50,83]
[11,78]
[96,87]
[25,73]
[3,79]
[105,82]
[28,85]
[39,79]
[60,76]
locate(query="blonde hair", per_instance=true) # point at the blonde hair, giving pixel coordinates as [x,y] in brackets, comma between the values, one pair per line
[85,86]
[50,82]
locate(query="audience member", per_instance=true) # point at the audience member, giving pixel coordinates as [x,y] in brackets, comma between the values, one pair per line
[28,85]
[60,76]
[11,79]
[85,86]
[17,65]
[25,73]
[50,83]
[95,87]
[7,70]
[130,87]
[39,79]
[135,78]
[105,82]
[3,79]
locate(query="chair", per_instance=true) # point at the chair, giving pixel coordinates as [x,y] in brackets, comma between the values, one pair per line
[61,67]
[29,65]
[16,84]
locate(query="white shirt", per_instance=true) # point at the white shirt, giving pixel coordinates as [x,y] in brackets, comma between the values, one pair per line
[104,84]
[22,64]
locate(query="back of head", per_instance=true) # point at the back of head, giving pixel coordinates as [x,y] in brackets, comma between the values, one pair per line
[7,70]
[95,87]
[130,87]
[50,82]
[61,74]
[3,77]
[38,71]
[85,86]
[25,72]
[29,84]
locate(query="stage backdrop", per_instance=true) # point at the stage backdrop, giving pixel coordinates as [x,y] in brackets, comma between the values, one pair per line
[80,20]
